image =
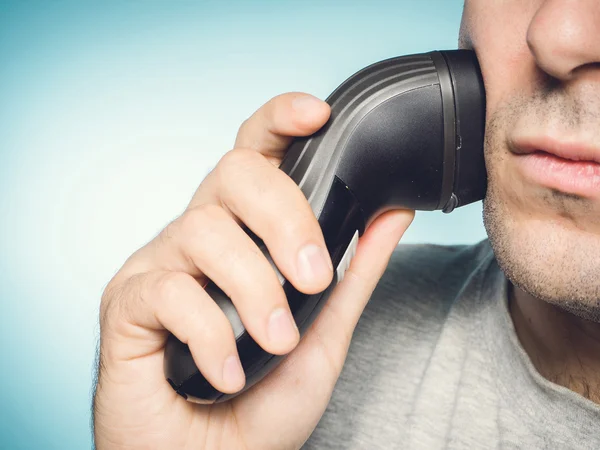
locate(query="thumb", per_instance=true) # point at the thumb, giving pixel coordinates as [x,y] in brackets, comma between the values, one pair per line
[347,302]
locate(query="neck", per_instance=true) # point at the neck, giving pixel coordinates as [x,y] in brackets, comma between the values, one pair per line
[564,348]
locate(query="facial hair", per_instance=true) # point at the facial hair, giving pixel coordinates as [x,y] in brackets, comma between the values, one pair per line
[546,242]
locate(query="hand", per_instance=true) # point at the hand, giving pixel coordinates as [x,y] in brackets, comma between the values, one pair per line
[159,290]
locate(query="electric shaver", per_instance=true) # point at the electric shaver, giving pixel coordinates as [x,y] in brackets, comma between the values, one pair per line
[404,133]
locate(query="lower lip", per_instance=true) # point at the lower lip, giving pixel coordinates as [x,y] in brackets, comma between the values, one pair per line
[565,175]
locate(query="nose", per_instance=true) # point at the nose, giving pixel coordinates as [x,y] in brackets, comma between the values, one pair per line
[564,36]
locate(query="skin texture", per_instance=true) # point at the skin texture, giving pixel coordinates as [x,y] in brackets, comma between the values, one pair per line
[541,66]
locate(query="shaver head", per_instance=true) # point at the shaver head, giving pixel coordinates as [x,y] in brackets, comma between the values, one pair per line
[469,183]
[406,132]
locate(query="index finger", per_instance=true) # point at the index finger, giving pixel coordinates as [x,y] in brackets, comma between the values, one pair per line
[271,128]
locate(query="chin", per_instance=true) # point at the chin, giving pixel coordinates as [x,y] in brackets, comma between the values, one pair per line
[543,253]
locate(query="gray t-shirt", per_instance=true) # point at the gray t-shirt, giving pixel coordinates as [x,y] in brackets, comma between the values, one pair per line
[435,363]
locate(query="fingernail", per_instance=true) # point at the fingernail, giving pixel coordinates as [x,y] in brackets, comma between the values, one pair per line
[233,373]
[282,328]
[306,104]
[313,264]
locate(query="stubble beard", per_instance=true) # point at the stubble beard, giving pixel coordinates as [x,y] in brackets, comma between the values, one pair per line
[544,250]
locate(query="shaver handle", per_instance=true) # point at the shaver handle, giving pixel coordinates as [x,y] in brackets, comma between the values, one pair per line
[342,223]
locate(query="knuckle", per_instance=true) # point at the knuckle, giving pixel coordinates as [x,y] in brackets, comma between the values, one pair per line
[230,167]
[229,158]
[236,161]
[201,219]
[171,284]
[240,168]
[116,304]
[212,332]
[196,221]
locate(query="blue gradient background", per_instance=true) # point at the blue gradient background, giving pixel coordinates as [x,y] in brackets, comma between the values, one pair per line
[109,118]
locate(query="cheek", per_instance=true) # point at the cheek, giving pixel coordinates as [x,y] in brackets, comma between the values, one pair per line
[498,31]
[506,188]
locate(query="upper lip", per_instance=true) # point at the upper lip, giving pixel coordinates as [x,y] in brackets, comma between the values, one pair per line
[572,150]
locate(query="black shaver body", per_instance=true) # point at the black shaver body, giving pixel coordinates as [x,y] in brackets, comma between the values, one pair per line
[406,133]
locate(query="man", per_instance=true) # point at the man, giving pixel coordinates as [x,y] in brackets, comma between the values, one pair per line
[494,345]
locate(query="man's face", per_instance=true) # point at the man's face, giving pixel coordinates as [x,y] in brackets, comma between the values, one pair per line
[541,67]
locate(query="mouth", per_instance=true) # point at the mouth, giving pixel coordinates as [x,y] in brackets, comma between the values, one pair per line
[569,167]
